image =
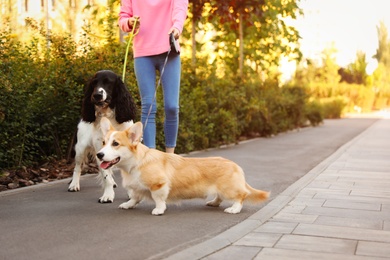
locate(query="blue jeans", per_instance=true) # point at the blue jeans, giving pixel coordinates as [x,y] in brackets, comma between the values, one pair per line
[145,72]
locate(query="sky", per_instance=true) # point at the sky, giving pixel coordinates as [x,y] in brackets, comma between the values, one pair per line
[349,25]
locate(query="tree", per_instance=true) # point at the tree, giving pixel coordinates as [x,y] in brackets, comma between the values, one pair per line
[356,71]
[381,76]
[383,52]
[196,7]
[260,34]
[321,78]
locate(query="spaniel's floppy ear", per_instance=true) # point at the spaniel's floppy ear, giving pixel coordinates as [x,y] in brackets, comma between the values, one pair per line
[105,125]
[88,108]
[134,133]
[125,108]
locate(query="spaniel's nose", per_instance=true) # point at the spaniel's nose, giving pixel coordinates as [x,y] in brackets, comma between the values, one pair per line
[97,97]
[100,155]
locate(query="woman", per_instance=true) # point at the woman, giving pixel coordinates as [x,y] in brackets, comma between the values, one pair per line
[156,20]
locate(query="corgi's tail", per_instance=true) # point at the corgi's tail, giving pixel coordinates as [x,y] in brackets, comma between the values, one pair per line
[256,196]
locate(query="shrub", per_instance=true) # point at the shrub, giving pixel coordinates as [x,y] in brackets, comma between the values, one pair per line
[314,112]
[333,107]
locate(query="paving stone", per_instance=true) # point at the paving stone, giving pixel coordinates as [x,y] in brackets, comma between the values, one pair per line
[363,181]
[285,254]
[295,209]
[368,248]
[342,185]
[234,253]
[307,202]
[276,227]
[369,158]
[347,213]
[291,217]
[386,225]
[380,184]
[306,194]
[325,177]
[352,205]
[367,181]
[317,244]
[367,163]
[258,239]
[336,166]
[319,184]
[371,193]
[366,167]
[330,192]
[349,222]
[367,175]
[352,198]
[342,232]
[370,175]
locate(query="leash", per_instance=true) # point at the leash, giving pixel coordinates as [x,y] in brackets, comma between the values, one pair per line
[132,34]
[155,92]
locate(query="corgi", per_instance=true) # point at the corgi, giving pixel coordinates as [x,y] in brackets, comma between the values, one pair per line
[163,177]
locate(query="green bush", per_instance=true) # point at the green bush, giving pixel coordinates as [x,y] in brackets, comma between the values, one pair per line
[314,112]
[333,107]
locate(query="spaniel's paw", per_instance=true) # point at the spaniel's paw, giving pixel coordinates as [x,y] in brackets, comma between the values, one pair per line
[74,186]
[107,198]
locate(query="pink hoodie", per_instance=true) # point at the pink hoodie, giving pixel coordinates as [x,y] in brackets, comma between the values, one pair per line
[157,17]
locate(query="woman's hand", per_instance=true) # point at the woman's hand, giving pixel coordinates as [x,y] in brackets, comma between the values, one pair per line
[132,21]
[175,32]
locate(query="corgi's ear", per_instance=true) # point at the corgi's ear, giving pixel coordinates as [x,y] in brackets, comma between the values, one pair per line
[105,125]
[135,133]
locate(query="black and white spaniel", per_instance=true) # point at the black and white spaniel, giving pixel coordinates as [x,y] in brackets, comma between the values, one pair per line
[105,96]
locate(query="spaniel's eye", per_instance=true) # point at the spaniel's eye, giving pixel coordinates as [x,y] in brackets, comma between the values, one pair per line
[115,143]
[104,143]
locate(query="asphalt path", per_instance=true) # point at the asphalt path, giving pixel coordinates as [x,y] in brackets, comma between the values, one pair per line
[47,222]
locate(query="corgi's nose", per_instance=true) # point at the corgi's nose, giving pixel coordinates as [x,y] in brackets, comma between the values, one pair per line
[100,155]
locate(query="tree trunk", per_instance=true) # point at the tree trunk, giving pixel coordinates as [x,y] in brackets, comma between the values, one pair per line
[193,33]
[241,45]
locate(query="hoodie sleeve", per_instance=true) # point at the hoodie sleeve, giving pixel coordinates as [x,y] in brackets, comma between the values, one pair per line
[179,14]
[126,11]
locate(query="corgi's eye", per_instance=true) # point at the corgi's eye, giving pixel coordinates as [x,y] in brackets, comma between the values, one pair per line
[115,143]
[104,143]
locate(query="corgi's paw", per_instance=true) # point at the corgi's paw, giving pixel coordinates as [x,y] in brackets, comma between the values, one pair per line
[158,212]
[231,210]
[128,205]
[235,208]
[213,203]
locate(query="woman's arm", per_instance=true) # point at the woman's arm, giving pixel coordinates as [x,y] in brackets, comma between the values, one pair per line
[179,15]
[125,20]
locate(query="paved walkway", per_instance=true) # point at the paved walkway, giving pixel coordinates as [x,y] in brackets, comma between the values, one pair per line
[339,210]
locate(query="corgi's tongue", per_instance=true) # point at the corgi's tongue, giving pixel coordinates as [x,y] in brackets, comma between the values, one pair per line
[105,165]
